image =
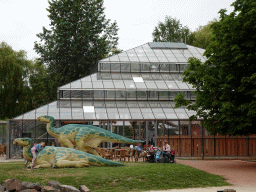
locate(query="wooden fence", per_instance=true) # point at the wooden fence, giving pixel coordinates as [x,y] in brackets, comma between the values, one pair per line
[211,146]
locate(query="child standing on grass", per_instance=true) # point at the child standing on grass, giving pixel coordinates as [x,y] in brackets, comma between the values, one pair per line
[35,149]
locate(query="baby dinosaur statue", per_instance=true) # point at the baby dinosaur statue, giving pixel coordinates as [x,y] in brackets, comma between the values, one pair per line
[61,156]
[85,137]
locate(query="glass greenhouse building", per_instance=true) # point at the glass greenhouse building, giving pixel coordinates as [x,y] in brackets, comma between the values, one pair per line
[132,95]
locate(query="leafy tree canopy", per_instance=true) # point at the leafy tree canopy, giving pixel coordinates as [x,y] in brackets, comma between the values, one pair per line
[202,36]
[226,83]
[79,36]
[14,89]
[170,31]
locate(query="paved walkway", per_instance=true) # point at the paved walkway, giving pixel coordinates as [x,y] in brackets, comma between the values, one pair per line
[242,174]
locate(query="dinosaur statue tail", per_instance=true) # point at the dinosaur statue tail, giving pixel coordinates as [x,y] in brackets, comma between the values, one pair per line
[120,139]
[98,161]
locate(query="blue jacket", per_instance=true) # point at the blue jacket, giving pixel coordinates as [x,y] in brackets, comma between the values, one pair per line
[38,147]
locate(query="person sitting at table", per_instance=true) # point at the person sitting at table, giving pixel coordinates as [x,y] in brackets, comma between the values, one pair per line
[138,148]
[151,148]
[166,147]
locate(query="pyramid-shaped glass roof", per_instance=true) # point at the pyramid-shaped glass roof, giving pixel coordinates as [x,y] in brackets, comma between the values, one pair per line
[137,84]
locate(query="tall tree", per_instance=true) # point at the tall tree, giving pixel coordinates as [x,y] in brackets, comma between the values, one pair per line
[41,84]
[170,31]
[14,89]
[202,36]
[226,82]
[80,35]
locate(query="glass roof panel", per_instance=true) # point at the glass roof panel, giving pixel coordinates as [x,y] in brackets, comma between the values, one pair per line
[54,115]
[131,53]
[113,113]
[134,110]
[190,113]
[181,85]
[181,113]
[161,85]
[65,115]
[129,84]
[146,47]
[125,115]
[87,78]
[147,113]
[154,104]
[182,59]
[170,114]
[158,113]
[152,59]
[94,77]
[167,51]
[150,84]
[78,116]
[97,84]
[146,76]
[119,84]
[159,52]
[162,59]
[77,110]
[150,54]
[134,58]
[53,107]
[139,49]
[42,114]
[143,104]
[136,115]
[190,86]
[67,86]
[132,104]
[178,55]
[86,84]
[165,104]
[157,76]
[171,84]
[123,58]
[102,116]
[172,59]
[76,84]
[108,84]
[30,115]
[192,50]
[114,58]
[177,77]
[19,117]
[140,85]
[90,116]
[143,59]
[167,76]
[106,59]
[43,109]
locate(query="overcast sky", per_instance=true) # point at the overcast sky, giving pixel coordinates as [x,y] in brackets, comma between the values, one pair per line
[21,20]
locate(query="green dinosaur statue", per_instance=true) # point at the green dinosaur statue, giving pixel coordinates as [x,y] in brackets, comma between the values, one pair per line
[85,137]
[61,156]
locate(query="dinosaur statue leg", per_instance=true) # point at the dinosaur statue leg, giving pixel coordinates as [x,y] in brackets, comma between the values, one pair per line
[91,150]
[82,145]
[65,142]
[43,164]
[63,162]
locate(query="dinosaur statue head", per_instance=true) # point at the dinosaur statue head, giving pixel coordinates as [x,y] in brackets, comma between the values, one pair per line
[24,142]
[46,119]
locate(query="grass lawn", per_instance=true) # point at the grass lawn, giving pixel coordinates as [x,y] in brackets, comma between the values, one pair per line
[131,177]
